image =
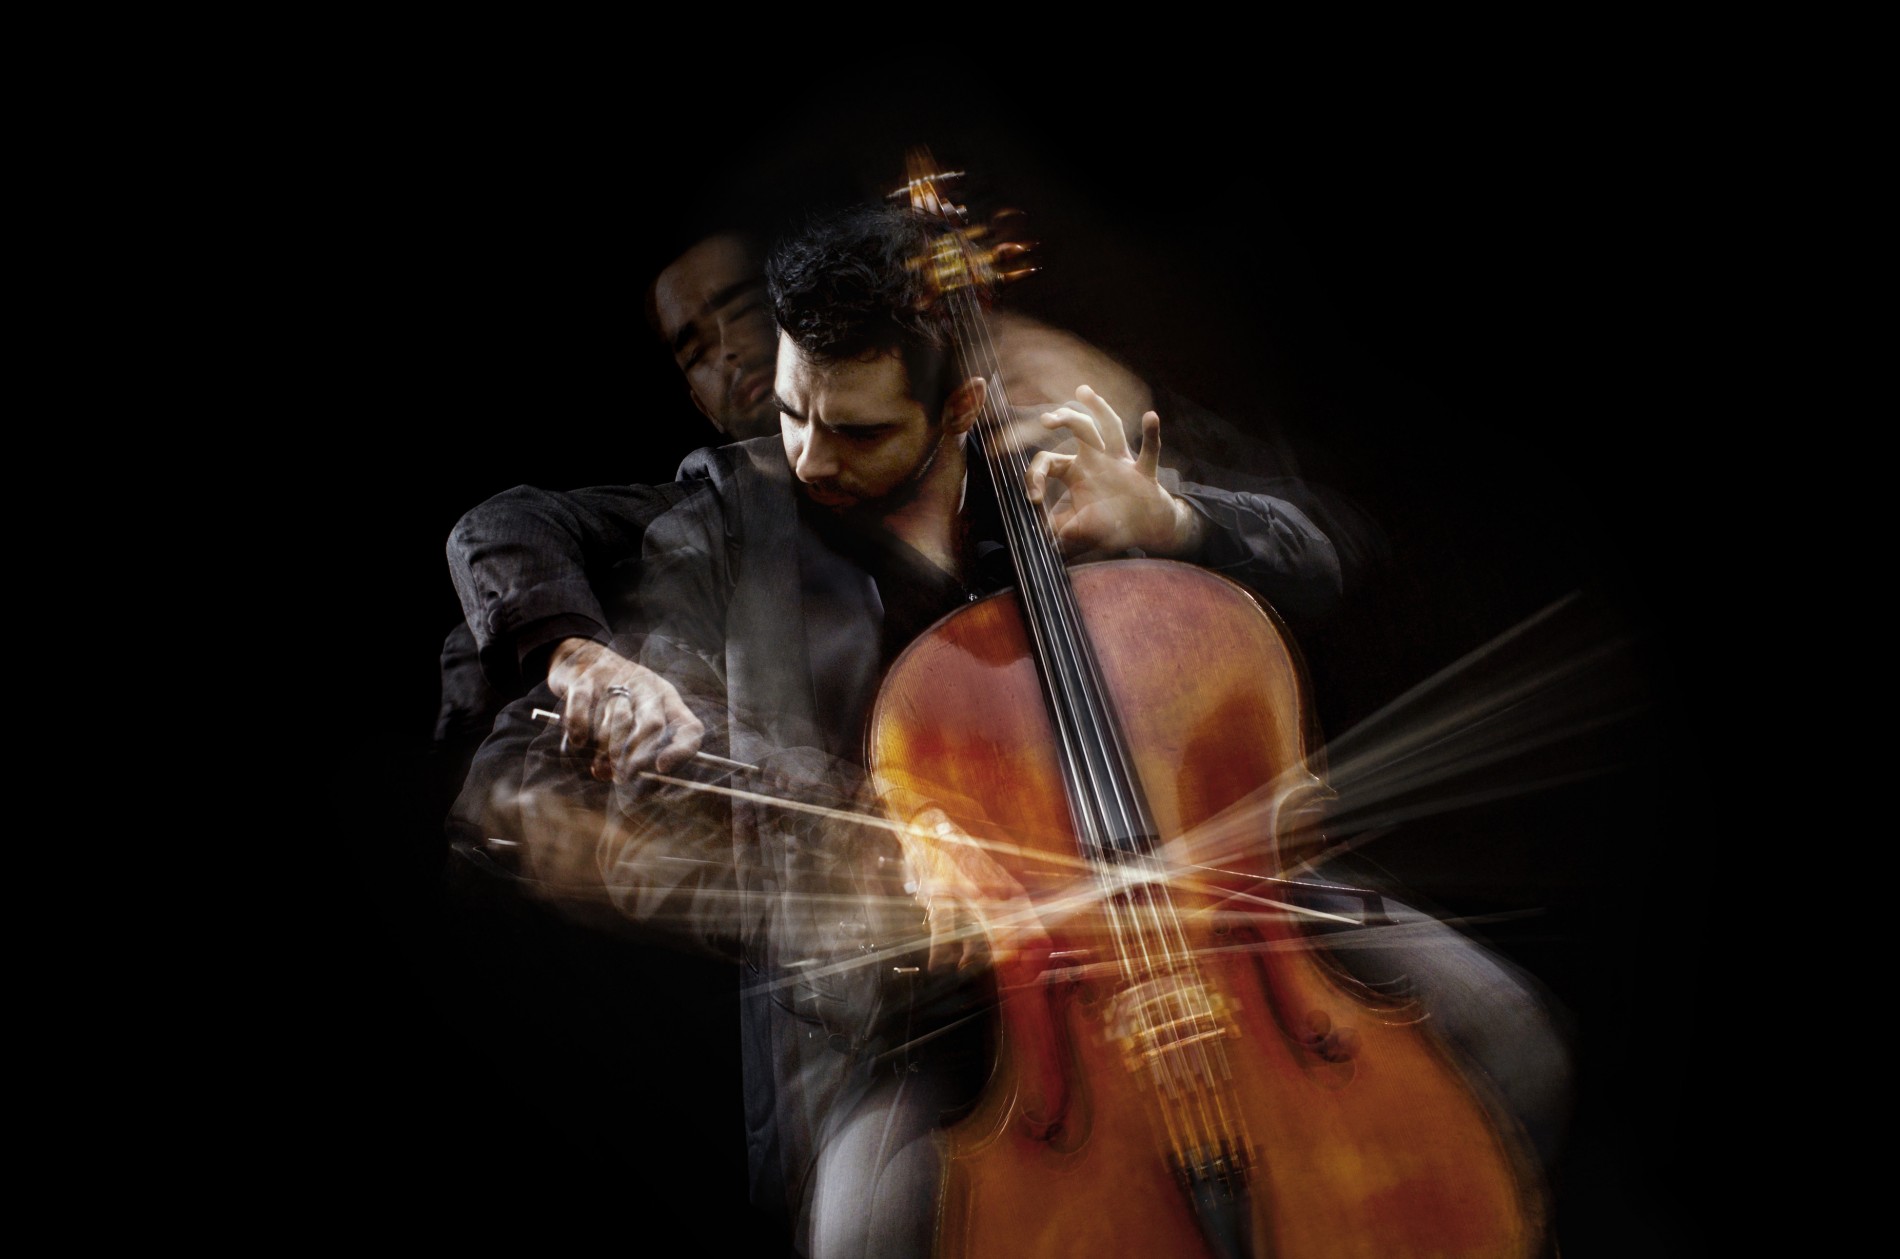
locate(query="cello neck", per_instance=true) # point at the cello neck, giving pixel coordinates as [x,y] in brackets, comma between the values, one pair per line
[1111,815]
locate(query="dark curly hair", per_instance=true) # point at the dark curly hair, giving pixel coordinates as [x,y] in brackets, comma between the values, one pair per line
[842,287]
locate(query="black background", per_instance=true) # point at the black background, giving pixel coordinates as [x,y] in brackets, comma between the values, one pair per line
[1453,294]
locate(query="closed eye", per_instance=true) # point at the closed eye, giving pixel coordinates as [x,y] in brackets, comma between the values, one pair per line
[862,432]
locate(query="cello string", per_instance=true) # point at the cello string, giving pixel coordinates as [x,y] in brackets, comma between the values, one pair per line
[1109,775]
[1031,546]
[1027,535]
[1048,601]
[1116,786]
[1045,581]
[1186,1003]
[1104,764]
[1116,783]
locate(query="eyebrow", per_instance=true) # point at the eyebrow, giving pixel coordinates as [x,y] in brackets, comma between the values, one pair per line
[719,298]
[786,408]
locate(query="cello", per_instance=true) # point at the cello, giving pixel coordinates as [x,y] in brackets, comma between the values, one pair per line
[1179,1074]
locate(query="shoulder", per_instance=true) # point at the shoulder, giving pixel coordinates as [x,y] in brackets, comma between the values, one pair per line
[742,469]
[758,456]
[741,490]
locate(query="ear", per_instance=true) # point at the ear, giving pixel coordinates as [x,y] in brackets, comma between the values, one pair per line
[964,405]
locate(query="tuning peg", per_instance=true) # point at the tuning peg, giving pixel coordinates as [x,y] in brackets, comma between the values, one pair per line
[934,183]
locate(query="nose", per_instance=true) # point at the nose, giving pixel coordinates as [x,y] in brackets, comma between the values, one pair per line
[740,339]
[817,458]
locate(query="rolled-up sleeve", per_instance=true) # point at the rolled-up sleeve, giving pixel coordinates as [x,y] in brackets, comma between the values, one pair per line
[529,566]
[1268,544]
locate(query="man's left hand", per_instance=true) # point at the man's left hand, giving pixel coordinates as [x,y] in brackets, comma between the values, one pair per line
[1114,502]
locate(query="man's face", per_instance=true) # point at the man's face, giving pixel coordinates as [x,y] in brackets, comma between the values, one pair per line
[713,315]
[854,436]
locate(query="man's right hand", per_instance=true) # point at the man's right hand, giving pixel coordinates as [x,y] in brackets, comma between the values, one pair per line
[631,716]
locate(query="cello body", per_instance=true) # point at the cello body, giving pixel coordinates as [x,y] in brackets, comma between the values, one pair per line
[1234,1093]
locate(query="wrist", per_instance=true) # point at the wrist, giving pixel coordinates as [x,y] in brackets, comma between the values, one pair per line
[564,650]
[1190,529]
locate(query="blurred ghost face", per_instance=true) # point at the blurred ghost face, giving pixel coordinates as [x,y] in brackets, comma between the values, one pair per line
[712,311]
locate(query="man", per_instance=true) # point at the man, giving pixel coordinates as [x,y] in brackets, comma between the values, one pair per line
[771,596]
[708,307]
[709,310]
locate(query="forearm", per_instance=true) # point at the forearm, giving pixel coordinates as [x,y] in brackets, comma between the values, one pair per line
[640,856]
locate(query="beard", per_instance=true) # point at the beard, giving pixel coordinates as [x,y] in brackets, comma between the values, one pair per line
[902,495]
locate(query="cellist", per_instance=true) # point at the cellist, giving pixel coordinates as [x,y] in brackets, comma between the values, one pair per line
[770,600]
